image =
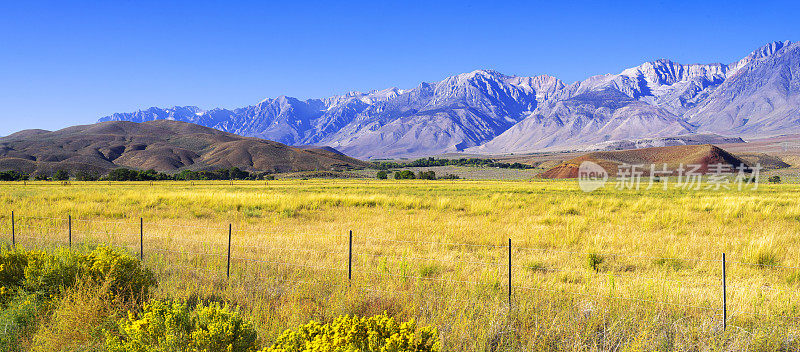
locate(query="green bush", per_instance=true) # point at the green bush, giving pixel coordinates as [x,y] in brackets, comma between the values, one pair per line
[593,261]
[426,175]
[378,333]
[46,274]
[12,176]
[18,319]
[382,175]
[173,326]
[672,263]
[404,175]
[774,179]
[61,175]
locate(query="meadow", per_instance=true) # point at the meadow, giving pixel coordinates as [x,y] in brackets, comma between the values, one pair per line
[608,270]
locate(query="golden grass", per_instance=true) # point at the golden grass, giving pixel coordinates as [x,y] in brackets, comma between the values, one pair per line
[290,256]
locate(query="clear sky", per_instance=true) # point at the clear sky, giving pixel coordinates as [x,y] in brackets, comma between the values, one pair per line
[70,62]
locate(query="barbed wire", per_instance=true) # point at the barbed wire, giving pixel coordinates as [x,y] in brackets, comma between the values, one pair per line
[613,254]
[100,233]
[422,278]
[270,249]
[49,229]
[120,222]
[166,238]
[24,224]
[187,253]
[435,243]
[156,224]
[613,297]
[23,218]
[428,259]
[765,265]
[283,235]
[287,264]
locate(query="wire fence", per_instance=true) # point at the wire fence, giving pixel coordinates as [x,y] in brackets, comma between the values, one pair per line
[374,262]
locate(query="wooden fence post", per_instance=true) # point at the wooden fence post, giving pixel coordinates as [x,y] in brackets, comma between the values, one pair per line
[69,217]
[13,231]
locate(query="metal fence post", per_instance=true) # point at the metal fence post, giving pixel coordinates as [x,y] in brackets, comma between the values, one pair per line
[13,231]
[69,217]
[724,296]
[141,239]
[228,271]
[509,273]
[350,260]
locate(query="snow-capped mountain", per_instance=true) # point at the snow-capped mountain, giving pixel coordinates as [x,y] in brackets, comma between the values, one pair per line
[485,111]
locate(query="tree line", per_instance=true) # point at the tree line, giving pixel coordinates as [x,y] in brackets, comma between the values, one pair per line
[409,175]
[429,162]
[125,174]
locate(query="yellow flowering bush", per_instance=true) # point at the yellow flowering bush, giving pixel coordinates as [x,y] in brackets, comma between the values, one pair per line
[48,273]
[173,326]
[379,333]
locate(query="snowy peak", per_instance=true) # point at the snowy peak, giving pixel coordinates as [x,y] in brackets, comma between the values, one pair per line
[488,111]
[769,49]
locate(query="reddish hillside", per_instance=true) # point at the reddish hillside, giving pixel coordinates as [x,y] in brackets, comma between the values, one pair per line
[673,157]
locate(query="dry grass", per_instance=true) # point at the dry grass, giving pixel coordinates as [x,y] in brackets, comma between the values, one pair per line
[669,245]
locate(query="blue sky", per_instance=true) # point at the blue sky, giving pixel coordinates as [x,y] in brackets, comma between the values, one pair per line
[65,63]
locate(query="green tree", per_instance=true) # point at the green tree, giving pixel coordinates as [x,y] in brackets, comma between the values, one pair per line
[382,175]
[86,176]
[774,179]
[404,175]
[61,175]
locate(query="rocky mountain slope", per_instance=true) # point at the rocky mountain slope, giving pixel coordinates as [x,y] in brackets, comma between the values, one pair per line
[487,112]
[165,146]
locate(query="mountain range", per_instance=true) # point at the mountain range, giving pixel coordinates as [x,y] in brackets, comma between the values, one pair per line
[487,112]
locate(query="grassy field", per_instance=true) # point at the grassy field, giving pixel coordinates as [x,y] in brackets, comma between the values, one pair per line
[610,270]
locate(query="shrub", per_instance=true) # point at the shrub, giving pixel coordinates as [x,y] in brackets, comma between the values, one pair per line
[12,176]
[774,179]
[430,270]
[404,175]
[86,305]
[48,274]
[793,278]
[426,175]
[18,319]
[382,175]
[352,333]
[766,258]
[173,326]
[673,263]
[125,274]
[536,266]
[593,260]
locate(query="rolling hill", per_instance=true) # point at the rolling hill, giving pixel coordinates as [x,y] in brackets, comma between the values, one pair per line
[165,146]
[702,155]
